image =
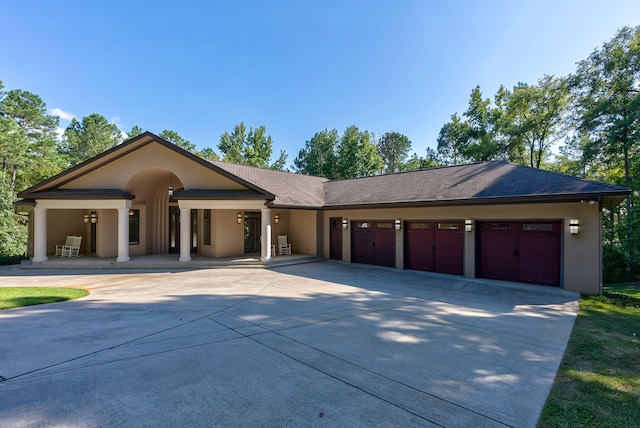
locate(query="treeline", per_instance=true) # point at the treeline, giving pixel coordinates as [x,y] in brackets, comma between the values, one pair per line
[585,124]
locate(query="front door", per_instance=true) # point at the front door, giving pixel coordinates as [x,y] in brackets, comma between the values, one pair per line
[252,221]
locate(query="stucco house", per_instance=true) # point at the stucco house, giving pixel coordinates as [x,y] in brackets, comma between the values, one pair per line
[488,220]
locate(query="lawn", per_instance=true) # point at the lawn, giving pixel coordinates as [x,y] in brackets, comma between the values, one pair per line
[598,383]
[14,297]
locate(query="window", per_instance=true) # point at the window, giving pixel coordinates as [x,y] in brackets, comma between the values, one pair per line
[539,227]
[134,227]
[384,226]
[420,225]
[207,227]
[448,226]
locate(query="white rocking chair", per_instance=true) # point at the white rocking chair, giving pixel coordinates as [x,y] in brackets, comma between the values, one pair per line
[284,248]
[68,243]
[72,250]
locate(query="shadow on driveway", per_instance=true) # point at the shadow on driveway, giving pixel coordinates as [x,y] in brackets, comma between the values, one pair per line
[307,345]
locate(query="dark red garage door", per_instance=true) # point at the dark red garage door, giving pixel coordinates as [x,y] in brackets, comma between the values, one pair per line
[520,251]
[434,246]
[373,242]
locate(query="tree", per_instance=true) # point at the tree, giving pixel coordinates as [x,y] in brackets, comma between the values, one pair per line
[393,148]
[27,155]
[135,131]
[27,136]
[477,138]
[431,160]
[253,148]
[606,87]
[318,157]
[86,139]
[520,125]
[174,138]
[534,118]
[208,153]
[357,155]
[452,140]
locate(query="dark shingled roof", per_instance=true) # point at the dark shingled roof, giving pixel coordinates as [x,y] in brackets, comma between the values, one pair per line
[291,190]
[474,183]
[81,194]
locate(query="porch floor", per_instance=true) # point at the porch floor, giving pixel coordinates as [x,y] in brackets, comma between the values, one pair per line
[167,261]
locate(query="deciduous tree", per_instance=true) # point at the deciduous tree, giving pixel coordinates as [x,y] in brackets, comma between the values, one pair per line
[357,155]
[318,157]
[253,148]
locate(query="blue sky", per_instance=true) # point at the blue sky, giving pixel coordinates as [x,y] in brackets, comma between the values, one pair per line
[297,67]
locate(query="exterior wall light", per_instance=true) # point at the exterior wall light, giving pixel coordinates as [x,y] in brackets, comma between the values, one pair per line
[276,218]
[397,224]
[94,218]
[468,225]
[345,223]
[574,226]
[239,218]
[85,218]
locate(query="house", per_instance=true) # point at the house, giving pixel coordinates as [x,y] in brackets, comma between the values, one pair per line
[490,220]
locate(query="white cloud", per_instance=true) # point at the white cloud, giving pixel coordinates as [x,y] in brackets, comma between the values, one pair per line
[60,133]
[66,115]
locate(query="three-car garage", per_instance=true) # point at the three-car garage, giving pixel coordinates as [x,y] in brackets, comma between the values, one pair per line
[520,251]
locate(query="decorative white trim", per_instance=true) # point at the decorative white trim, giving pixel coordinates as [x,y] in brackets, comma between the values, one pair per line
[226,204]
[83,204]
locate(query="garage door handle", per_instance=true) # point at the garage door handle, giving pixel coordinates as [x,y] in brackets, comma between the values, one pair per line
[373,243]
[515,253]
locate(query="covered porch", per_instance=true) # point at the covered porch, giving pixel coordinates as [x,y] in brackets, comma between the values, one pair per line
[204,231]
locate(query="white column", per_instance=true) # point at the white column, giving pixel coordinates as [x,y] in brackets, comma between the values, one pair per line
[265,239]
[39,235]
[185,234]
[123,234]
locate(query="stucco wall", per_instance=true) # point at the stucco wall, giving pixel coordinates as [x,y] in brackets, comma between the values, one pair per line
[581,254]
[302,232]
[118,173]
[227,238]
[107,233]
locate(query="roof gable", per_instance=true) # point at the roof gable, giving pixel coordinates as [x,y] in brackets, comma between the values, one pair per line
[114,167]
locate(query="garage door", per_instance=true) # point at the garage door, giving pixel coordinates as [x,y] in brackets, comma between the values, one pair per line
[520,251]
[373,242]
[434,246]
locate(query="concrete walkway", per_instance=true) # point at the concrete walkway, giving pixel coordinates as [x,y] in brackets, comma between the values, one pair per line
[318,344]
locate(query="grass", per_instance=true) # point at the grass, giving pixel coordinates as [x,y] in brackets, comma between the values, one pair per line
[15,297]
[598,383]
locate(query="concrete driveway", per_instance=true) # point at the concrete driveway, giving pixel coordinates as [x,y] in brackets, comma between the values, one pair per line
[319,344]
